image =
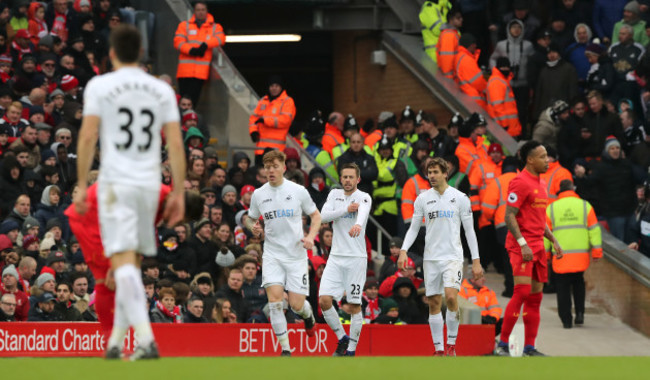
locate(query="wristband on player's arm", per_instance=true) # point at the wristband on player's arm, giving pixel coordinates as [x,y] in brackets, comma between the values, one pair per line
[522,241]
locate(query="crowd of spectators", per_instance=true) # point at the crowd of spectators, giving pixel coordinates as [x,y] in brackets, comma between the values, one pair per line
[209,270]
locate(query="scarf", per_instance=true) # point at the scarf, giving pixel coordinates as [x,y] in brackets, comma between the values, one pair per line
[21,51]
[59,25]
[552,63]
[372,309]
[174,314]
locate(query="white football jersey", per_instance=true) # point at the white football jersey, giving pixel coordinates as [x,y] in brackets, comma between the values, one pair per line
[132,106]
[443,215]
[336,209]
[282,208]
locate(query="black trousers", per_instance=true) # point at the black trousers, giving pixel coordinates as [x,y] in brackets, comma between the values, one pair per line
[490,252]
[568,284]
[191,87]
[509,280]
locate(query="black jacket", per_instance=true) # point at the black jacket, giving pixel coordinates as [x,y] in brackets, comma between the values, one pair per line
[602,124]
[319,196]
[206,253]
[604,78]
[237,302]
[409,311]
[190,318]
[37,315]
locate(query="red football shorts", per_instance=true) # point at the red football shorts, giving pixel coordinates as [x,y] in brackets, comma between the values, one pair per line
[537,268]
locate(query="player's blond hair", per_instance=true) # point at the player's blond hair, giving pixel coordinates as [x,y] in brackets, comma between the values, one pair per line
[273,155]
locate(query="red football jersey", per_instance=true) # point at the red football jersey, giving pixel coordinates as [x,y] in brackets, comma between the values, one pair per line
[86,229]
[528,193]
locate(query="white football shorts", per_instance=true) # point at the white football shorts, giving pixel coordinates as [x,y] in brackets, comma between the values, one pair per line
[440,274]
[293,275]
[126,218]
[344,275]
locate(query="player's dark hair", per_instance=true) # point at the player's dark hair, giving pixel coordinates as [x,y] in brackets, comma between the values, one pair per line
[126,41]
[440,163]
[527,149]
[351,165]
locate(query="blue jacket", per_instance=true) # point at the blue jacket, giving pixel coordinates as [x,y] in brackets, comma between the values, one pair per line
[606,14]
[575,54]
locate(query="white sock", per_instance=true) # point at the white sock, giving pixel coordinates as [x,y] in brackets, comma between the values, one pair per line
[356,323]
[305,312]
[120,327]
[131,297]
[437,324]
[452,326]
[334,322]
[279,324]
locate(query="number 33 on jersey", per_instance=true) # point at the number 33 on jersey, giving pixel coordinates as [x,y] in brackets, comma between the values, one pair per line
[132,109]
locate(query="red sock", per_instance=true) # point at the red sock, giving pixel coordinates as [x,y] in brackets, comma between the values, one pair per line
[511,315]
[531,317]
[105,308]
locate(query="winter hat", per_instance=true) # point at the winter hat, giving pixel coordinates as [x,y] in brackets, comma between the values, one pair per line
[633,6]
[36,109]
[28,240]
[8,226]
[43,278]
[595,49]
[611,141]
[239,216]
[502,62]
[246,189]
[225,259]
[55,93]
[53,222]
[69,82]
[495,147]
[5,243]
[466,40]
[190,115]
[275,79]
[211,152]
[11,270]
[29,222]
[77,258]
[28,57]
[47,243]
[388,304]
[47,41]
[553,46]
[396,241]
[23,33]
[204,280]
[5,58]
[201,223]
[54,257]
[228,189]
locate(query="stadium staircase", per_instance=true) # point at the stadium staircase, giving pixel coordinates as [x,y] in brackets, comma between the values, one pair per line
[228,100]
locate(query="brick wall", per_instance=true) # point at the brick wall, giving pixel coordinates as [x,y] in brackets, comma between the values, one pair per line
[378,88]
[619,294]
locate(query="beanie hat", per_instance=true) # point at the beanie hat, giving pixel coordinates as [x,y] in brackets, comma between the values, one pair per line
[36,109]
[495,147]
[502,62]
[611,141]
[632,6]
[466,40]
[55,93]
[11,270]
[47,41]
[28,57]
[190,115]
[510,164]
[553,46]
[275,79]
[77,258]
[28,240]
[5,243]
[53,222]
[23,33]
[594,49]
[8,225]
[47,243]
[54,257]
[246,189]
[225,259]
[48,270]
[5,58]
[201,223]
[43,278]
[69,82]
[228,189]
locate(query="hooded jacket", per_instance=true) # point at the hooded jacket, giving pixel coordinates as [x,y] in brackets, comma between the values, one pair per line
[46,211]
[10,188]
[319,196]
[546,130]
[409,311]
[575,53]
[517,50]
[558,82]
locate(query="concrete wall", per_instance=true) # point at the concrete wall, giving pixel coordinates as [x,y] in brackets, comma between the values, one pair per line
[389,87]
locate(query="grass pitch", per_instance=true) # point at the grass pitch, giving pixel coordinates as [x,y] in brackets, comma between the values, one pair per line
[396,368]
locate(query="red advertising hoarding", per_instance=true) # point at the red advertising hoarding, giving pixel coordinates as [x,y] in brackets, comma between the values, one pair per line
[43,339]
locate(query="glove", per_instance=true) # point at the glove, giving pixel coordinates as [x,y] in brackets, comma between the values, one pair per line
[488,320]
[196,52]
[203,48]
[260,121]
[255,136]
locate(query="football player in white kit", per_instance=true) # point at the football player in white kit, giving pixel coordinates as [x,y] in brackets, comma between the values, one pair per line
[345,271]
[127,109]
[282,203]
[444,209]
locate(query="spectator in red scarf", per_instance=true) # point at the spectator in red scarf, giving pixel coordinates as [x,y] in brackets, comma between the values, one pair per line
[386,288]
[61,19]
[371,300]
[10,285]
[13,119]
[166,310]
[20,46]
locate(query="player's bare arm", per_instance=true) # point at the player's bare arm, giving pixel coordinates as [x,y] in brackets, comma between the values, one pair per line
[308,241]
[556,245]
[513,227]
[88,136]
[175,205]
[255,227]
[409,239]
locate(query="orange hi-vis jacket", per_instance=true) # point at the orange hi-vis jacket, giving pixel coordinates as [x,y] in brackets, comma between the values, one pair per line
[373,138]
[493,205]
[331,138]
[412,188]
[447,50]
[575,226]
[468,152]
[484,297]
[278,116]
[188,36]
[469,76]
[555,174]
[501,105]
[483,173]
